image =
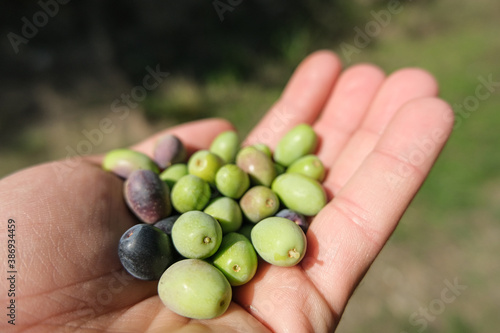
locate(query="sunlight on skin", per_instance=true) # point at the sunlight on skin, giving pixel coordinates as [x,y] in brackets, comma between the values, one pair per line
[370,129]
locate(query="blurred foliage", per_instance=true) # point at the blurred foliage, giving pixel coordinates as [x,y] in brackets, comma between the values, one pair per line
[94,39]
[91,52]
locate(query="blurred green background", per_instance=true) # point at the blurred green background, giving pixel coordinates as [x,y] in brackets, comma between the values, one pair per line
[64,79]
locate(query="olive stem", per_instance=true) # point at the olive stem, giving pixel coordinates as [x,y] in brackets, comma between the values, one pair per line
[293,253]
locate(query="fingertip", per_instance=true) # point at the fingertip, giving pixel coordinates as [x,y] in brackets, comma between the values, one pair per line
[365,71]
[322,63]
[302,100]
[434,103]
[324,56]
[418,77]
[435,111]
[216,122]
[321,66]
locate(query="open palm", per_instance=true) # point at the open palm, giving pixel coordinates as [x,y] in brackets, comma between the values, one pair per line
[378,138]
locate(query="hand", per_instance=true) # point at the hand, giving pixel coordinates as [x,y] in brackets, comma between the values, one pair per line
[379,137]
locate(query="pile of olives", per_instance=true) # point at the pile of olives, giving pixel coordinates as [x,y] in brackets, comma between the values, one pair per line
[207,218]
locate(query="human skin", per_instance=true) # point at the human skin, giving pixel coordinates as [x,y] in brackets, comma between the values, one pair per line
[371,130]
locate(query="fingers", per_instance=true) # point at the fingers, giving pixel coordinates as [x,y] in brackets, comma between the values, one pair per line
[302,100]
[398,89]
[285,300]
[346,108]
[157,318]
[349,232]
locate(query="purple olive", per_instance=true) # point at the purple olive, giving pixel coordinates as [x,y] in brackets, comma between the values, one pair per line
[147,196]
[292,215]
[257,164]
[166,224]
[169,150]
[145,251]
